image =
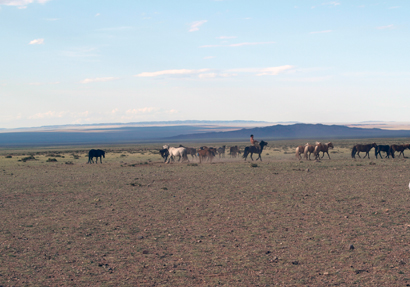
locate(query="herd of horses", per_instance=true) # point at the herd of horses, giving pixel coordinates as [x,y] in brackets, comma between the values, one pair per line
[205,153]
[308,149]
[390,150]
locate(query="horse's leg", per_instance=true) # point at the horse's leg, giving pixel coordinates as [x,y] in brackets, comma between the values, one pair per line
[358,154]
[251,156]
[328,154]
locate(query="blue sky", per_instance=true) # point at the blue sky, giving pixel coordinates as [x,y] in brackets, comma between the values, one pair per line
[83,62]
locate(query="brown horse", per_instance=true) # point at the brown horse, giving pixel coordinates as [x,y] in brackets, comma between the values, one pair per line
[309,149]
[364,148]
[324,148]
[234,151]
[206,153]
[399,148]
[299,150]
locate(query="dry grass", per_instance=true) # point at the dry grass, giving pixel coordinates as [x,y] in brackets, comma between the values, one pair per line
[136,221]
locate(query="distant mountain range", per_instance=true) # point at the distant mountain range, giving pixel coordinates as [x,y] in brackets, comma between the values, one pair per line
[190,133]
[297,131]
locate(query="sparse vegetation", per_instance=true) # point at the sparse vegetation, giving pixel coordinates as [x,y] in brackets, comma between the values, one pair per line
[289,222]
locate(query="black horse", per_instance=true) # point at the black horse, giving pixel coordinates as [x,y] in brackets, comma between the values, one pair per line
[386,148]
[164,153]
[97,153]
[252,149]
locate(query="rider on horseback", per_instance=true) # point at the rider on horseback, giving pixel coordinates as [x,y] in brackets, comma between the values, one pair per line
[254,142]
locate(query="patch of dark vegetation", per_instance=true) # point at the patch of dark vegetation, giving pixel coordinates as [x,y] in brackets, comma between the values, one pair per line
[24,159]
[51,160]
[9,156]
[192,164]
[69,162]
[253,165]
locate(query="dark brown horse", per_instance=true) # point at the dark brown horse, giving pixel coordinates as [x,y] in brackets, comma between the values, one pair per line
[364,148]
[399,148]
[324,148]
[252,149]
[234,151]
[190,151]
[206,153]
[385,148]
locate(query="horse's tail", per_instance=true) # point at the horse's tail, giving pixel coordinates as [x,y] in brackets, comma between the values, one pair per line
[245,152]
[391,152]
[376,149]
[297,153]
[354,150]
[305,152]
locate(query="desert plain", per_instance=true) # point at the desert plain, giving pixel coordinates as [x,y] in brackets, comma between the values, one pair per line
[135,221]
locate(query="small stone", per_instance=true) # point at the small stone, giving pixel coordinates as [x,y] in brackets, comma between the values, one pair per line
[140,237]
[145,252]
[267,252]
[351,247]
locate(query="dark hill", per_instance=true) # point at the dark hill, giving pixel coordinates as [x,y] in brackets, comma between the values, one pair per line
[297,131]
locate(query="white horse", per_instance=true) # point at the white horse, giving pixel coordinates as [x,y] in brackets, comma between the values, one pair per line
[176,151]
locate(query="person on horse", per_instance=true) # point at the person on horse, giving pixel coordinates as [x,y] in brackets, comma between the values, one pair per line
[254,142]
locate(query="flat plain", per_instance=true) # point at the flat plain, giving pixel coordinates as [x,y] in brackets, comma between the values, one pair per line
[135,221]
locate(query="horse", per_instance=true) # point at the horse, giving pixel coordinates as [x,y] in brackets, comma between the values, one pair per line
[206,153]
[164,153]
[299,150]
[234,151]
[97,153]
[309,149]
[190,151]
[176,151]
[399,148]
[252,149]
[221,151]
[386,148]
[324,148]
[364,148]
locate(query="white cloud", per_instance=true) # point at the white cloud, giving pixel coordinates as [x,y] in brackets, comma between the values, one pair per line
[209,57]
[394,7]
[195,25]
[21,3]
[180,72]
[307,79]
[238,44]
[208,73]
[226,37]
[141,110]
[321,32]
[386,27]
[48,115]
[273,71]
[106,79]
[334,3]
[37,42]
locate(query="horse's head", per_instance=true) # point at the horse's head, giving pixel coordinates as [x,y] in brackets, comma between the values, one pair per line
[165,146]
[103,154]
[263,143]
[374,145]
[330,145]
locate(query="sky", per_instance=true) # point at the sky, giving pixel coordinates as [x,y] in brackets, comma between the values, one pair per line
[85,62]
